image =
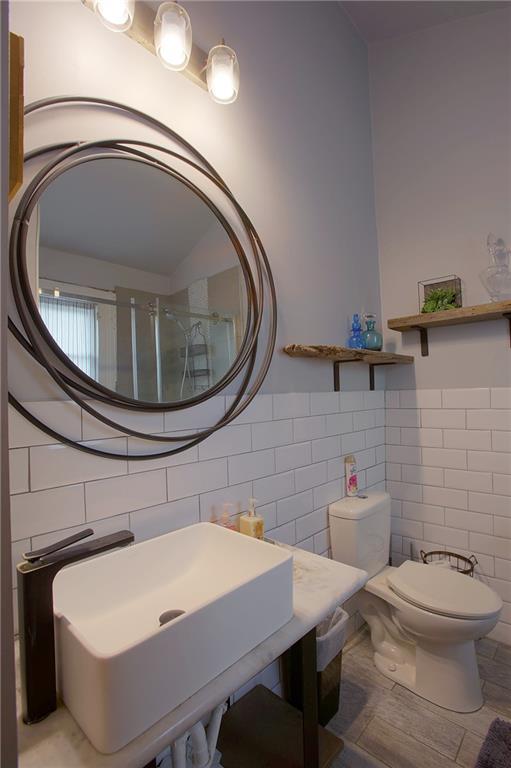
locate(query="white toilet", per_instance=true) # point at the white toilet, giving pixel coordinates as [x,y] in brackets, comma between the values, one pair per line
[423,619]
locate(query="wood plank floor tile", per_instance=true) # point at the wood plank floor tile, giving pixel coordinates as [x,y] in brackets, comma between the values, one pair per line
[356,639]
[395,728]
[476,722]
[427,727]
[362,670]
[498,699]
[358,704]
[469,750]
[495,672]
[503,654]
[364,648]
[398,749]
[486,647]
[353,756]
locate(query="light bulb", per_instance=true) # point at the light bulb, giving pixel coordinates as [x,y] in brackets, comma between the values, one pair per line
[56,293]
[223,74]
[117,15]
[173,36]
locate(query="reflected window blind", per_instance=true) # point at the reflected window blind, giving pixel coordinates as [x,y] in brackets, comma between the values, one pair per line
[73,325]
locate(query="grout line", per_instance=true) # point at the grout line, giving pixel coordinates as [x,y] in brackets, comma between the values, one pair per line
[70,527]
[460,744]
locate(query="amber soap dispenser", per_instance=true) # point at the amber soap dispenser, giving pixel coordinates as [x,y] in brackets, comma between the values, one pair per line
[252,524]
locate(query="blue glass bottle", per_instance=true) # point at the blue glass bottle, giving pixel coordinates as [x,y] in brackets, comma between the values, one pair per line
[355,340]
[372,339]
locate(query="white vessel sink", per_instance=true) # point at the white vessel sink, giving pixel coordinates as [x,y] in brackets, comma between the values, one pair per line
[119,671]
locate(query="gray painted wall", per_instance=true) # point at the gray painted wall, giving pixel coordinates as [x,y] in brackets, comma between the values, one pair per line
[442,148]
[295,148]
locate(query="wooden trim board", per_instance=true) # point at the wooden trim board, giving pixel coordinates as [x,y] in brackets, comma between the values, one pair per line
[16,120]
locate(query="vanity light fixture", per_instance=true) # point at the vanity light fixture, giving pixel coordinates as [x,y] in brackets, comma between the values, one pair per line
[173,36]
[167,33]
[116,15]
[223,74]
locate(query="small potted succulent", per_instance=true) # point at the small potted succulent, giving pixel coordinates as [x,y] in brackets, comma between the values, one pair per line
[439,300]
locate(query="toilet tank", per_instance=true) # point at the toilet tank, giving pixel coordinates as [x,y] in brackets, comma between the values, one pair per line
[360,531]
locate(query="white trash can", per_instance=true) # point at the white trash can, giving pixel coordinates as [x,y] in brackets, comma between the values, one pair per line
[330,639]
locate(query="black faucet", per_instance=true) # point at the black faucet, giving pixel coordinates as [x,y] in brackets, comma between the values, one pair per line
[35,602]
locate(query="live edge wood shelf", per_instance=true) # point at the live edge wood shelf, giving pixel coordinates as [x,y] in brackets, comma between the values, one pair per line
[340,355]
[478,313]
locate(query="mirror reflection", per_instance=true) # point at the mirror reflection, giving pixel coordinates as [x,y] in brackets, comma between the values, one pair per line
[136,280]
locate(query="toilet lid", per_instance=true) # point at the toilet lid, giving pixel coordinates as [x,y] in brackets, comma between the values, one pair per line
[443,591]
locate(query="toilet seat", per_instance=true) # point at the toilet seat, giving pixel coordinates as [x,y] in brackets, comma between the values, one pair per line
[443,591]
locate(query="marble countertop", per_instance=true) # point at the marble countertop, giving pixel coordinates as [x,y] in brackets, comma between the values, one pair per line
[58,742]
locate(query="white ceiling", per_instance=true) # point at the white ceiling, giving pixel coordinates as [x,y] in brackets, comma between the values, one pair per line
[123,212]
[381,20]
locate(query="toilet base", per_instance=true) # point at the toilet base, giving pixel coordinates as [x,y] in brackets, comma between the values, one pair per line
[445,675]
[401,673]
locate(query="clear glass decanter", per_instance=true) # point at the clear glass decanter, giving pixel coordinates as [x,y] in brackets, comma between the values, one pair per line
[497,277]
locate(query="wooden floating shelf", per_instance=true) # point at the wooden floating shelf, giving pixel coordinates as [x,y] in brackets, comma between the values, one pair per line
[460,316]
[345,354]
[340,355]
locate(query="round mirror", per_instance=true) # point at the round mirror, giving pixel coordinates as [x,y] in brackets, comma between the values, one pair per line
[137,280]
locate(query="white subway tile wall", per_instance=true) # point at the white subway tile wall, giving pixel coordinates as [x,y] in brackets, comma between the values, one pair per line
[448,471]
[286,450]
[449,475]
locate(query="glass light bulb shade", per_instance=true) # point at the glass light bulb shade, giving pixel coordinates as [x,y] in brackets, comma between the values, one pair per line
[116,15]
[223,74]
[173,36]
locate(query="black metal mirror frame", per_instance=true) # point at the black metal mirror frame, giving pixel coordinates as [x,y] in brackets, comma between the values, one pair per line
[24,296]
[39,343]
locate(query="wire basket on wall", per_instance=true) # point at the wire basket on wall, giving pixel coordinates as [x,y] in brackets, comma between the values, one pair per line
[453,560]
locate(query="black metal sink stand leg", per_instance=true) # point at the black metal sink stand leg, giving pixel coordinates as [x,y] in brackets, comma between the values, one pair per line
[309,700]
[301,692]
